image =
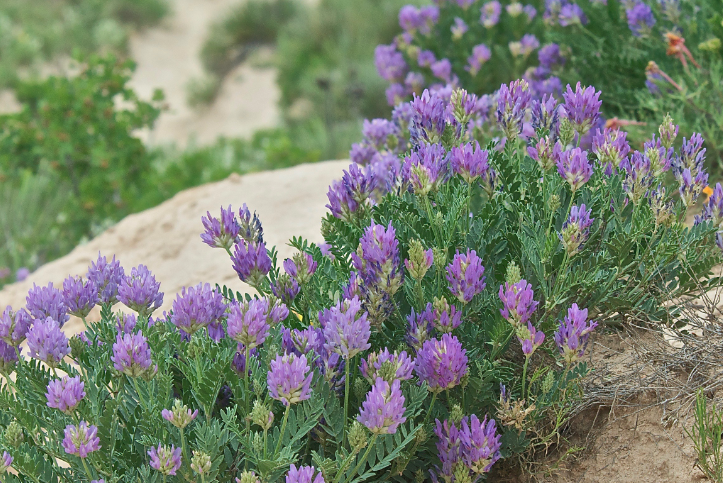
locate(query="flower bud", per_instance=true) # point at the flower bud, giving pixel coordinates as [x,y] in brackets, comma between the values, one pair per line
[710,45]
[547,382]
[13,434]
[440,304]
[419,476]
[257,443]
[567,131]
[77,347]
[461,474]
[668,131]
[360,388]
[248,477]
[439,257]
[554,203]
[262,416]
[513,274]
[456,414]
[179,416]
[419,260]
[358,436]
[200,462]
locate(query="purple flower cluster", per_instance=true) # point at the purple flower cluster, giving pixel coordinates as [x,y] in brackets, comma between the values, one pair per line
[251,262]
[388,366]
[139,291]
[474,446]
[441,363]
[480,55]
[44,302]
[165,460]
[8,358]
[302,341]
[179,416]
[132,355]
[661,158]
[465,276]
[7,461]
[344,332]
[446,317]
[582,107]
[512,103]
[79,297]
[573,333]
[47,343]
[469,161]
[14,326]
[420,327]
[383,410]
[197,307]
[426,169]
[65,394]
[640,19]
[638,176]
[574,167]
[530,338]
[611,148]
[289,379]
[545,153]
[390,63]
[302,474]
[576,229]
[661,206]
[81,440]
[422,19]
[490,14]
[429,119]
[713,209]
[459,28]
[220,232]
[285,288]
[691,185]
[106,276]
[250,226]
[518,302]
[348,195]
[247,322]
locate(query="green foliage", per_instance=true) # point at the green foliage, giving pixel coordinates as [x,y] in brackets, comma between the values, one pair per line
[707,436]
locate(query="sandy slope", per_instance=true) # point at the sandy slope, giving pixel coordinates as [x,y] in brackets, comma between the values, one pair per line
[166,238]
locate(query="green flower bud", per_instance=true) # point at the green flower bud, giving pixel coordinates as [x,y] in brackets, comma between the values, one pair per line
[440,304]
[421,437]
[419,260]
[711,45]
[419,476]
[547,382]
[261,416]
[257,443]
[513,274]
[461,474]
[388,371]
[554,203]
[360,388]
[248,477]
[456,414]
[13,434]
[77,347]
[567,131]
[668,131]
[200,462]
[440,258]
[358,436]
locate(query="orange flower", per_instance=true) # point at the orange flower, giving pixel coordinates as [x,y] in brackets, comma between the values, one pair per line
[677,48]
[616,123]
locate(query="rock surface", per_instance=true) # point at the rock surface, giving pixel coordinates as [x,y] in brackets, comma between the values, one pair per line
[290,202]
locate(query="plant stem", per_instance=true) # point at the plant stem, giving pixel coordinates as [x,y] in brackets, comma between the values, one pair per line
[283,429]
[431,406]
[346,397]
[138,391]
[524,375]
[366,454]
[87,470]
[183,445]
[266,431]
[246,379]
[203,480]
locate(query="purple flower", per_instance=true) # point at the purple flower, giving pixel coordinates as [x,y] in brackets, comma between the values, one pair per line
[386,365]
[426,169]
[179,415]
[331,365]
[582,107]
[713,210]
[465,276]
[430,118]
[410,18]
[132,356]
[420,327]
[661,158]
[79,297]
[528,44]
[303,474]
[344,333]
[691,187]
[480,444]
[238,363]
[361,153]
[251,262]
[106,276]
[480,54]
[459,28]
[640,19]
[446,316]
[396,93]
[430,16]
[287,379]
[572,335]
[669,131]
[545,114]
[442,69]
[247,322]
[414,82]
[549,56]
[638,176]
[441,363]
[81,440]
[661,206]
[65,394]
[197,307]
[545,153]
[530,338]
[469,162]
[575,230]
[165,460]
[22,274]
[378,132]
[574,167]
[383,410]
[8,358]
[44,302]
[250,226]
[220,232]
[490,14]
[449,448]
[530,11]
[301,342]
[692,154]
[512,103]
[326,251]
[611,148]
[285,288]
[390,63]
[14,326]
[7,461]
[518,302]
[139,291]
[426,58]
[572,14]
[47,343]
[419,261]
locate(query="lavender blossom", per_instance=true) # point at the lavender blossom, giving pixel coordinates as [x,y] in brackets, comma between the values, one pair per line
[661,158]
[638,176]
[132,355]
[480,54]
[490,14]
[47,343]
[361,153]
[22,274]
[247,322]
[250,226]
[303,474]
[420,327]
[426,169]
[518,302]
[426,58]
[549,56]
[442,69]
[390,63]
[7,461]
[530,338]
[383,410]
[139,291]
[459,28]
[441,363]
[344,333]
[165,460]
[545,114]
[640,19]
[331,366]
[285,288]
[48,301]
[446,317]
[480,444]
[65,394]
[251,262]
[691,187]
[8,358]
[430,117]
[574,167]
[410,18]
[106,276]
[582,107]
[388,366]
[575,230]
[545,153]
[611,148]
[220,232]
[528,44]
[668,132]
[661,206]
[465,276]
[197,307]
[238,363]
[287,379]
[81,440]
[449,449]
[396,93]
[692,155]
[301,342]
[512,103]
[377,133]
[469,162]
[14,326]
[572,335]
[79,297]
[179,415]
[572,14]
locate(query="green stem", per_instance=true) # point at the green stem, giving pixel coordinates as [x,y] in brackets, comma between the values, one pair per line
[366,454]
[344,465]
[203,480]
[183,445]
[246,379]
[469,208]
[346,397]
[87,470]
[524,375]
[431,406]
[138,391]
[283,429]
[266,431]
[428,208]
[164,478]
